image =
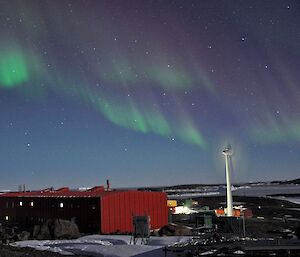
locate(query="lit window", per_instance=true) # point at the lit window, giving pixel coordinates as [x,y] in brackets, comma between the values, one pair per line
[61,205]
[31,204]
[6,217]
[21,203]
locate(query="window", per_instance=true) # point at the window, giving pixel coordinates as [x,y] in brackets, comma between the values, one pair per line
[61,205]
[21,203]
[31,204]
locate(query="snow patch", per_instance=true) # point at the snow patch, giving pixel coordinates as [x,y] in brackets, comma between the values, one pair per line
[105,246]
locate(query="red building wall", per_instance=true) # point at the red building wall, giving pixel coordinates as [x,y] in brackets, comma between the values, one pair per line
[85,210]
[96,211]
[118,208]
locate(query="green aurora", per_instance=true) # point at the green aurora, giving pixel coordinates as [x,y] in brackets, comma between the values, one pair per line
[13,68]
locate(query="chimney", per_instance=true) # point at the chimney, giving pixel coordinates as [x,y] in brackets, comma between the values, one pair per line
[107,185]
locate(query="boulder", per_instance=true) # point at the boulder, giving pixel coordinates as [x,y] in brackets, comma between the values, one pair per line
[167,230]
[45,232]
[183,231]
[24,235]
[36,231]
[65,229]
[175,230]
[297,231]
[4,237]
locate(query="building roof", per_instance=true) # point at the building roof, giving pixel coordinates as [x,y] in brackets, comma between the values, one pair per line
[97,191]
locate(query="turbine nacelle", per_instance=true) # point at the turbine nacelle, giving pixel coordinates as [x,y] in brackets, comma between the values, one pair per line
[227,150]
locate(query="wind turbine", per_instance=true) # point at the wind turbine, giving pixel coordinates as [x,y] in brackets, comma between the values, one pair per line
[227,152]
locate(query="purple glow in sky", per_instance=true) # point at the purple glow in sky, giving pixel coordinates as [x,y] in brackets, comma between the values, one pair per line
[148,92]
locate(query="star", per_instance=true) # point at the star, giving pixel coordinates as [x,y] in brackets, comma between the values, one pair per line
[114,72]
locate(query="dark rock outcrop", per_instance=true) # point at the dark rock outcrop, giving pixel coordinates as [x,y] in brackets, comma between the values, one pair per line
[45,231]
[36,231]
[175,230]
[24,235]
[56,229]
[65,229]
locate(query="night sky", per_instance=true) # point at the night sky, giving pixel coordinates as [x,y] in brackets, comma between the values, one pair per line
[148,92]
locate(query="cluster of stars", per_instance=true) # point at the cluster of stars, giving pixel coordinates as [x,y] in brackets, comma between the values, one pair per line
[177,71]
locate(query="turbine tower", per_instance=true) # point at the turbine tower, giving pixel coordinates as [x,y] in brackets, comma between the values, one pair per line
[227,152]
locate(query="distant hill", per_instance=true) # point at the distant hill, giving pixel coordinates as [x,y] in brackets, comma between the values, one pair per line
[294,181]
[195,186]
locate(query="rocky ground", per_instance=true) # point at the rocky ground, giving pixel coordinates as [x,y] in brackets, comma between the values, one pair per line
[51,229]
[259,205]
[271,217]
[277,216]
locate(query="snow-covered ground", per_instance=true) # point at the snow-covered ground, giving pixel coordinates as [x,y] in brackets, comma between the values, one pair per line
[190,195]
[106,245]
[259,190]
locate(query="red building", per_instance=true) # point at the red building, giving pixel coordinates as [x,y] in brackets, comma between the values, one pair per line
[95,210]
